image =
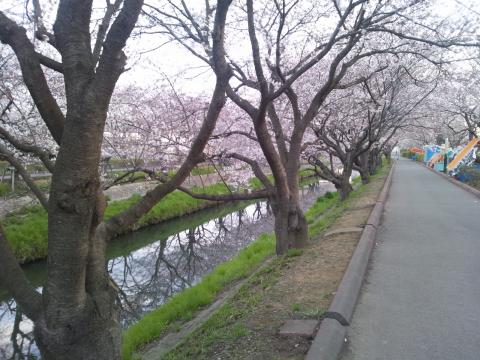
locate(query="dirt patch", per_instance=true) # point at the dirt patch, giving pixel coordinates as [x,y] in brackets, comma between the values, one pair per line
[295,287]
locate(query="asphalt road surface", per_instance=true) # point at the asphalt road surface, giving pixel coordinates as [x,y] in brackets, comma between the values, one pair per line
[421,298]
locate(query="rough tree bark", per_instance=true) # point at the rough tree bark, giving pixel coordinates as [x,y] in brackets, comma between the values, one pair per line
[291,228]
[341,181]
[362,167]
[80,317]
[77,315]
[345,187]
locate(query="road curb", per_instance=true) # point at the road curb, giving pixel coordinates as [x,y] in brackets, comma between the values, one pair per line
[328,342]
[460,184]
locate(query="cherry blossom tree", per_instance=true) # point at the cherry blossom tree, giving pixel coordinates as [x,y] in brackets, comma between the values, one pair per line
[76,316]
[355,129]
[458,102]
[159,128]
[292,40]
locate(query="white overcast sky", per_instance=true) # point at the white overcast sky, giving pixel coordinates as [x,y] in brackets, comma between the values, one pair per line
[171,59]
[148,69]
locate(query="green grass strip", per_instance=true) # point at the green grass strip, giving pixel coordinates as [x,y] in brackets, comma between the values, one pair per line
[199,170]
[320,215]
[4,188]
[203,170]
[183,305]
[303,173]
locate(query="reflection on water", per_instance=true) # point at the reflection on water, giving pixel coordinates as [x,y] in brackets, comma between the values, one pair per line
[152,264]
[16,336]
[149,276]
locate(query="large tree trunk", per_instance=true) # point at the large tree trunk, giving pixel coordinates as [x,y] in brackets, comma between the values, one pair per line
[81,317]
[363,168]
[94,333]
[379,160]
[388,155]
[364,175]
[291,228]
[344,187]
[374,161]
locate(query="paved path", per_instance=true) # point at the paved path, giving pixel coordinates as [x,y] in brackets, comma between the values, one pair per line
[421,300]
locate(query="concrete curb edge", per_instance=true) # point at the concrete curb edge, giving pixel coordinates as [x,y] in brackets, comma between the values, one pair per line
[328,343]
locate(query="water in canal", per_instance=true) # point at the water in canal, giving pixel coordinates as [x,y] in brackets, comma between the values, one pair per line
[154,263]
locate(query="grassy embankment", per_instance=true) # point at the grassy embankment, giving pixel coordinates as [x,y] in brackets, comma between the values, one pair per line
[306,173]
[139,176]
[21,189]
[4,188]
[44,183]
[26,229]
[203,170]
[199,170]
[228,329]
[182,306]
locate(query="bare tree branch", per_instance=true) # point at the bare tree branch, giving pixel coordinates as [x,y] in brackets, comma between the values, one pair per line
[44,155]
[5,154]
[15,36]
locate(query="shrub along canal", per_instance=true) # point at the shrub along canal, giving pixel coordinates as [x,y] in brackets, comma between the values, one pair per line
[151,265]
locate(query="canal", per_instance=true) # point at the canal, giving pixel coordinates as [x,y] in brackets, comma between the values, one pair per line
[152,264]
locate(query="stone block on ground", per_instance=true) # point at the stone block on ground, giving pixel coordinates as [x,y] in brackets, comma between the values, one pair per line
[304,328]
[343,231]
